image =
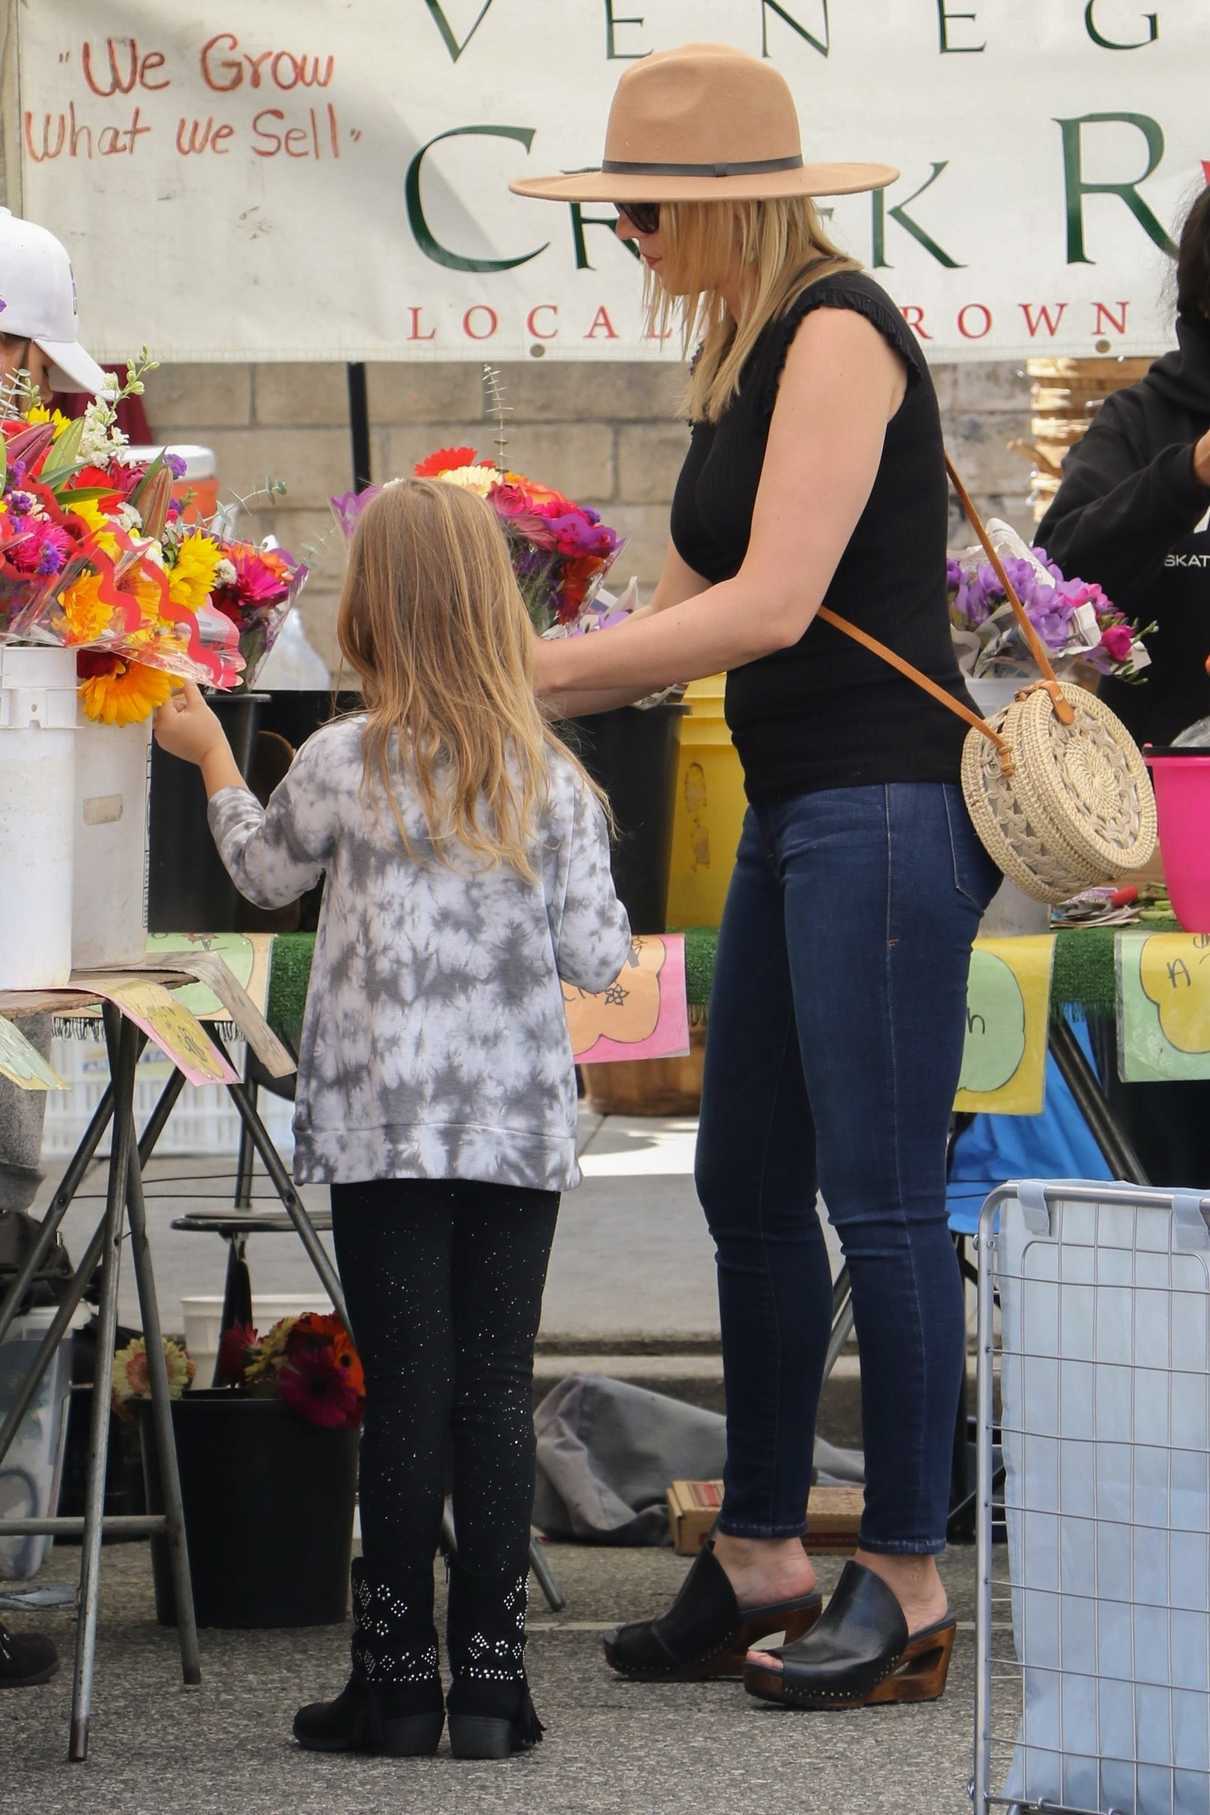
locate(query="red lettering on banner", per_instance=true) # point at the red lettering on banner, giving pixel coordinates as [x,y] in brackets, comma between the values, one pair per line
[196,136]
[122,81]
[1105,318]
[602,324]
[969,333]
[225,67]
[414,330]
[531,321]
[1045,317]
[480,309]
[913,314]
[297,141]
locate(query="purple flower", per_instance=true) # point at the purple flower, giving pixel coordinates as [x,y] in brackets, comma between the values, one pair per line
[349,506]
[176,465]
[50,560]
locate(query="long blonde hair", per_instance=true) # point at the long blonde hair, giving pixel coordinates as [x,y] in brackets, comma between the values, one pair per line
[432,622]
[779,247]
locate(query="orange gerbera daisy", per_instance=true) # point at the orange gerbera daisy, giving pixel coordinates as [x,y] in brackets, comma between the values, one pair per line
[88,616]
[114,691]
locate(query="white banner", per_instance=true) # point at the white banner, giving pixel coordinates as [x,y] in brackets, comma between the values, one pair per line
[327,179]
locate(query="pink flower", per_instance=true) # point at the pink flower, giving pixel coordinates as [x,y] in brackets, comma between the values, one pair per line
[319,1390]
[1118,642]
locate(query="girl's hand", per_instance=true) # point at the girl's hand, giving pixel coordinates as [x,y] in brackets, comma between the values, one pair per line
[186,727]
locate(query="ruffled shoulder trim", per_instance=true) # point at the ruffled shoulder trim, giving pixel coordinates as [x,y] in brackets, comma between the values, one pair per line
[847,290]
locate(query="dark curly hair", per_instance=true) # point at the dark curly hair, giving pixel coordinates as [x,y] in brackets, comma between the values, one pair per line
[1193,260]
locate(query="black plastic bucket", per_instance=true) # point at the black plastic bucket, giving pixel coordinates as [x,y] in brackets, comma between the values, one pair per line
[633,755]
[188,890]
[268,1512]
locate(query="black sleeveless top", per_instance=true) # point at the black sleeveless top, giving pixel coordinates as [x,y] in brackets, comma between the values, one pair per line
[826,713]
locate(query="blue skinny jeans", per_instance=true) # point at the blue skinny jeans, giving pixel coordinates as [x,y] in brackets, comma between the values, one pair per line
[837,1023]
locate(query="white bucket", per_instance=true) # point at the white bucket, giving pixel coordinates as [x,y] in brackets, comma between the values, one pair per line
[110,914]
[37,814]
[1010,911]
[203,1318]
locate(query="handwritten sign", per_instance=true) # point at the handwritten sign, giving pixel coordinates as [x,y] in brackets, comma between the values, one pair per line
[22,1064]
[241,138]
[1163,983]
[1007,1014]
[169,1026]
[642,1015]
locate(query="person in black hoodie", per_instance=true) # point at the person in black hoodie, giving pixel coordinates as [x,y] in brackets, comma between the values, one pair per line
[1133,510]
[1133,513]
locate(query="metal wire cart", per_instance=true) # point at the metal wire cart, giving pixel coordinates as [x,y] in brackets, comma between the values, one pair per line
[1093,1459]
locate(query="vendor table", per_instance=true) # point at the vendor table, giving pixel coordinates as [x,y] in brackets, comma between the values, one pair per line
[124,1208]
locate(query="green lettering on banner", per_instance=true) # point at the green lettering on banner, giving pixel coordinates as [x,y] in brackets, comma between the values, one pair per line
[899,213]
[612,53]
[1090,26]
[580,220]
[423,234]
[452,44]
[944,16]
[822,45]
[1077,188]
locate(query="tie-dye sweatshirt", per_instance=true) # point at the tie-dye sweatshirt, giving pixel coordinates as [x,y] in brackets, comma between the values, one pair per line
[434,1042]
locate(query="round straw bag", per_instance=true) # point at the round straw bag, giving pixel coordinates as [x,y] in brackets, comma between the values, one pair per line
[1056,787]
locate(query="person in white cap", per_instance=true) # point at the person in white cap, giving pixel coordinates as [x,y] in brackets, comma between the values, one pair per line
[39,334]
[39,322]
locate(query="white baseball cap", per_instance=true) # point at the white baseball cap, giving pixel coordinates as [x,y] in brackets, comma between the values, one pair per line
[38,303]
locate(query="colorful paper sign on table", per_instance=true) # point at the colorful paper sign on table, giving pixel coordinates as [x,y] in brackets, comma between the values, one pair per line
[167,1025]
[1007,1017]
[644,1014]
[22,1064]
[1163,983]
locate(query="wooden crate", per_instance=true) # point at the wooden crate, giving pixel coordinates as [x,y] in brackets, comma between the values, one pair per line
[833,1516]
[649,1086]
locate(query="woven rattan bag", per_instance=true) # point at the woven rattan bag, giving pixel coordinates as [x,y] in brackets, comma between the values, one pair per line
[1055,785]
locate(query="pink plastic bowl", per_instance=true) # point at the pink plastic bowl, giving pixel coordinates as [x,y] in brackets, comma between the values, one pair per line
[1182,798]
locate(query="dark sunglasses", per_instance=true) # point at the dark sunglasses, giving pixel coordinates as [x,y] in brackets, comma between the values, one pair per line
[644,217]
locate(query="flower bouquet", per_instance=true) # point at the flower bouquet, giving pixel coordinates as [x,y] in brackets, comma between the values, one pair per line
[561,551]
[307,1362]
[256,585]
[96,554]
[1074,619]
[132,1376]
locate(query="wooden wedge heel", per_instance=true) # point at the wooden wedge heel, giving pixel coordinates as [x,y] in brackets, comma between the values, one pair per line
[859,1654]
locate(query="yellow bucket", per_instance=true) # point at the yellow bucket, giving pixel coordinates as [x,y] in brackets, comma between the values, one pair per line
[710,808]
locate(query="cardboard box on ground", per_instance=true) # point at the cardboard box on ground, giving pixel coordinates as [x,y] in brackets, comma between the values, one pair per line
[833,1516]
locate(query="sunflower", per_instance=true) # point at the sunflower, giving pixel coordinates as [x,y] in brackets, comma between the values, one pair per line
[191,577]
[40,413]
[88,616]
[114,691]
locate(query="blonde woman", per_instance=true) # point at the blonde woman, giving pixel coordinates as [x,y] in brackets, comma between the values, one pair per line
[467,866]
[814,473]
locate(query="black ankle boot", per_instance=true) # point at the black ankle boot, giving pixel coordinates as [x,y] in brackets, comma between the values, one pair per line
[392,1703]
[491,1712]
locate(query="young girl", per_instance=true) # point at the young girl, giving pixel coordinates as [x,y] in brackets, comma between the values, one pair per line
[466,858]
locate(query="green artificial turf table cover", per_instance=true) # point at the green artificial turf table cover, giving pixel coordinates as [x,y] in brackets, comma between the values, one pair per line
[1083,973]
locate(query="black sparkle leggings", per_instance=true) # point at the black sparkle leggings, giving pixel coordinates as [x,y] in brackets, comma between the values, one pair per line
[444,1286]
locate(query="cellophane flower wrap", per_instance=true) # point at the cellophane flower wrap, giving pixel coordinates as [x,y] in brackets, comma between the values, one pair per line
[308,1362]
[561,551]
[97,554]
[1074,619]
[256,586]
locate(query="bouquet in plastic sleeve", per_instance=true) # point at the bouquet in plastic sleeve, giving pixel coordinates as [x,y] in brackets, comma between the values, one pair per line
[561,551]
[256,585]
[1074,618]
[96,554]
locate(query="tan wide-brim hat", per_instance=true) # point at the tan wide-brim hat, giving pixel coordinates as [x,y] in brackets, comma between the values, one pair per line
[704,123]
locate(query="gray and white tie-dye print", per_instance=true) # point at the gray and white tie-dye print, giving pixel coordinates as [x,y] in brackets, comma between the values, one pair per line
[434,1042]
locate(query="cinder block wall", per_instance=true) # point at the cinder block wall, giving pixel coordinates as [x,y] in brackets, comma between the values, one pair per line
[607,434]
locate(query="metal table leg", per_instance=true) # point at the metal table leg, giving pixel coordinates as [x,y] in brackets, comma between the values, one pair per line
[119,1035]
[1081,1080]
